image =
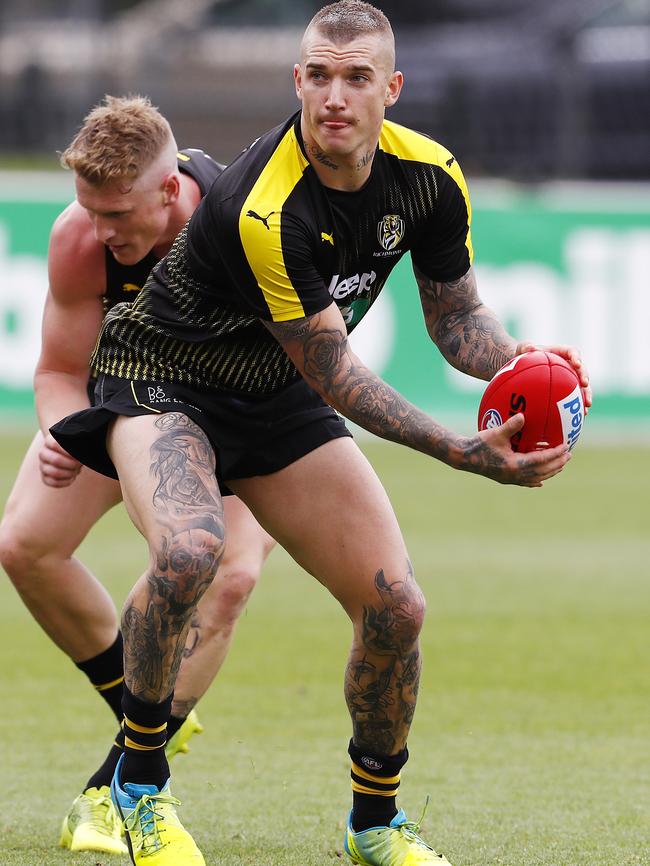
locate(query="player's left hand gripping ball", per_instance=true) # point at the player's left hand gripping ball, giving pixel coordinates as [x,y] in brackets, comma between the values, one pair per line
[546,389]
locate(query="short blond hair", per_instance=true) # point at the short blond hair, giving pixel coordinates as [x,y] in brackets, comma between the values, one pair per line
[119,139]
[347,19]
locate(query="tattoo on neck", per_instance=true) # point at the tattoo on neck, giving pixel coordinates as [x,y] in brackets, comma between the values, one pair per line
[365,160]
[322,157]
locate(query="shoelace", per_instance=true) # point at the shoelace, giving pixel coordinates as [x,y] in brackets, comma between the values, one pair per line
[146,816]
[411,829]
[102,813]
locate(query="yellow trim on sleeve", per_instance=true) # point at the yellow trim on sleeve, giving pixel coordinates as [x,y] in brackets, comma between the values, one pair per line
[260,228]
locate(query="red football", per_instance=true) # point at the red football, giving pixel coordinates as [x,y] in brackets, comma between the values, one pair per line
[545,388]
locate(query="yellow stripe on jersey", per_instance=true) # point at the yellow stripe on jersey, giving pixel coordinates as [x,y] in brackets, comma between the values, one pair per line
[260,228]
[415,147]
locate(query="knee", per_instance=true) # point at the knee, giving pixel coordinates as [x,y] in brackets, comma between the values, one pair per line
[237,587]
[18,558]
[409,616]
[226,601]
[185,568]
[394,624]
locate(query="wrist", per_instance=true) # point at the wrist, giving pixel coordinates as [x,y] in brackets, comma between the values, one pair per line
[523,346]
[456,451]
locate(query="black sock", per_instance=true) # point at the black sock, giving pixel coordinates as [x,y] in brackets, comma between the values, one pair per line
[173,725]
[375,780]
[106,672]
[145,735]
[104,774]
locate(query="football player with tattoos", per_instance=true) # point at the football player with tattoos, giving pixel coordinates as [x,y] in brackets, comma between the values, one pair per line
[134,191]
[244,327]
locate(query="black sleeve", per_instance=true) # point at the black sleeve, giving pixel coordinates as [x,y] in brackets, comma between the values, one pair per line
[443,250]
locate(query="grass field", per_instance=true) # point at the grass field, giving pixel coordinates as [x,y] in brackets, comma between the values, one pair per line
[532,734]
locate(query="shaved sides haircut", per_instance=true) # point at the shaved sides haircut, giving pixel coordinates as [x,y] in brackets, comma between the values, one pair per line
[119,139]
[349,19]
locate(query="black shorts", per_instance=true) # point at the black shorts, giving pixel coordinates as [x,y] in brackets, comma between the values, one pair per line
[251,434]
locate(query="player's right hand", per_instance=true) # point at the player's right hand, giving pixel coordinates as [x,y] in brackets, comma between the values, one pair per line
[58,468]
[491,454]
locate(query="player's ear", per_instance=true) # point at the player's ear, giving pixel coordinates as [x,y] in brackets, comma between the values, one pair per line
[171,188]
[393,89]
[297,80]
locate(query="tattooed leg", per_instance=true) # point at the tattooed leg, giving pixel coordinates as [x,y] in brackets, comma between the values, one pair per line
[186,539]
[349,539]
[215,619]
[383,672]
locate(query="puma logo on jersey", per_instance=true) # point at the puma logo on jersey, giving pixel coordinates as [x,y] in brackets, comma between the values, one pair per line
[450,162]
[130,287]
[327,238]
[349,285]
[256,216]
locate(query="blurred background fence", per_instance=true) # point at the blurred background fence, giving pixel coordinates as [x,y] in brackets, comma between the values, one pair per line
[519,88]
[546,106]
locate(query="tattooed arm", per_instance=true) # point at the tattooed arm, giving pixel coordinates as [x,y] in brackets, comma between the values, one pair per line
[319,348]
[468,333]
[470,336]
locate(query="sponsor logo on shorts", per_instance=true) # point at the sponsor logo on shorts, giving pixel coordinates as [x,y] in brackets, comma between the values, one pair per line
[572,413]
[156,395]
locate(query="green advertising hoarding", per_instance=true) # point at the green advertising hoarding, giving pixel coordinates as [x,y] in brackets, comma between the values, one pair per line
[568,264]
[558,265]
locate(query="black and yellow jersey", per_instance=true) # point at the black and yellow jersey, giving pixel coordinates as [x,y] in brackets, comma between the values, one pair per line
[270,243]
[123,282]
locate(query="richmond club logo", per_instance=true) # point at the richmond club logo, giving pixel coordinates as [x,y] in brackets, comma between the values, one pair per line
[390,231]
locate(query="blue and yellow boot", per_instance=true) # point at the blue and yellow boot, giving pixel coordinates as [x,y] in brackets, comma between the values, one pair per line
[154,833]
[396,845]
